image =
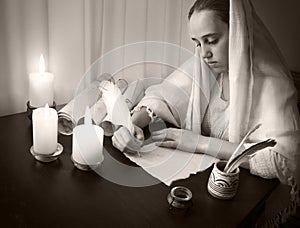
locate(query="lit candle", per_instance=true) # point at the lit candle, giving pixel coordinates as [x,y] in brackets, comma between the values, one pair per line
[41,86]
[44,128]
[87,148]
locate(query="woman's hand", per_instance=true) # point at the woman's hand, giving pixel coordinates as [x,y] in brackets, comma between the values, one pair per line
[177,138]
[189,141]
[125,141]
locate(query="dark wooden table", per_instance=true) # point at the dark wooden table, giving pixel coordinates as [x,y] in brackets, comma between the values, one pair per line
[34,194]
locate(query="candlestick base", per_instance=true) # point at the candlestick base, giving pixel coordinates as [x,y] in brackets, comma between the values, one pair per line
[31,108]
[84,167]
[47,157]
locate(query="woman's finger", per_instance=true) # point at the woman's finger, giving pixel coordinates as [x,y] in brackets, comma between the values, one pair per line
[160,135]
[139,134]
[117,144]
[163,131]
[166,134]
[158,138]
[122,134]
[127,140]
[167,144]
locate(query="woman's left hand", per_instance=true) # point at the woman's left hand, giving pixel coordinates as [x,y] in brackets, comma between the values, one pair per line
[177,138]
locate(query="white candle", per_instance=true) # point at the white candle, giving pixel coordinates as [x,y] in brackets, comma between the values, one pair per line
[87,148]
[41,86]
[44,128]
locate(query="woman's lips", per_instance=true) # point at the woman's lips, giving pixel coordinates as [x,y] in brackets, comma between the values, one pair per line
[212,63]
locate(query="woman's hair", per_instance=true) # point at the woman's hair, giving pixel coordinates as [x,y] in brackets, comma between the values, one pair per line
[221,7]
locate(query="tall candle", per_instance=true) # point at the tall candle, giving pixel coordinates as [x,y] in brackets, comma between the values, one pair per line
[87,148]
[41,86]
[44,127]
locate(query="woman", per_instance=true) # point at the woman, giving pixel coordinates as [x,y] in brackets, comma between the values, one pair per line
[253,86]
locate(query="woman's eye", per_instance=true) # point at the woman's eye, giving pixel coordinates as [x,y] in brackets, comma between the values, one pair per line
[212,41]
[197,42]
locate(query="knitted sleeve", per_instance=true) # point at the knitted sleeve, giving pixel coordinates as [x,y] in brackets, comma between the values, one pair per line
[270,164]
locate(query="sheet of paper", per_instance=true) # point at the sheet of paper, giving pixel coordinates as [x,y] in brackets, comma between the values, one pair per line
[165,164]
[169,165]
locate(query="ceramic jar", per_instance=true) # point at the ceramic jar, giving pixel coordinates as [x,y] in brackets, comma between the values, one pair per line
[223,185]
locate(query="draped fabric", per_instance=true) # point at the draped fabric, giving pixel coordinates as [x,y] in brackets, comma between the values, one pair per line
[23,37]
[111,24]
[261,91]
[261,87]
[73,34]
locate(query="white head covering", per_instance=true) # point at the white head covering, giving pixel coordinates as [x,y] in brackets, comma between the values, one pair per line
[261,87]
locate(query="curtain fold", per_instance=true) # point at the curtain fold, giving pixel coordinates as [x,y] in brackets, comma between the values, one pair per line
[23,37]
[73,34]
[66,46]
[112,24]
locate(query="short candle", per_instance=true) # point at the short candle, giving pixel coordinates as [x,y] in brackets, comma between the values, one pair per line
[87,148]
[44,129]
[41,86]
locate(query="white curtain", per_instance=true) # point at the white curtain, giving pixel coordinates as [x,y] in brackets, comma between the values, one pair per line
[23,36]
[72,34]
[113,23]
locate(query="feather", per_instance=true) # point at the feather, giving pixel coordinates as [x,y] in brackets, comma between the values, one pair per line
[116,107]
[244,156]
[237,150]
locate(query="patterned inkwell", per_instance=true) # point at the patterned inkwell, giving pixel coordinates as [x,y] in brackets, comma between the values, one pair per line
[223,185]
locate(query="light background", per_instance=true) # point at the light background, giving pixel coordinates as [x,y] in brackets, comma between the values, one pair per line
[72,34]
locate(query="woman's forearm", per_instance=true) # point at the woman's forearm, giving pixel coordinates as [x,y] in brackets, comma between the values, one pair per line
[218,148]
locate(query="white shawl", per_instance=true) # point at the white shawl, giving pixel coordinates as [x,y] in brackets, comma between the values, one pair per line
[261,91]
[261,88]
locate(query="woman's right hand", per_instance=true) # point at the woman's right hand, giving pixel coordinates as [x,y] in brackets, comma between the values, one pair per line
[125,141]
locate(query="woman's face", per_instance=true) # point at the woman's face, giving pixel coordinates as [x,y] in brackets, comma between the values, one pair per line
[211,36]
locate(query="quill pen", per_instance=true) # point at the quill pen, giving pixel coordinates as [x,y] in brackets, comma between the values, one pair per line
[236,152]
[243,156]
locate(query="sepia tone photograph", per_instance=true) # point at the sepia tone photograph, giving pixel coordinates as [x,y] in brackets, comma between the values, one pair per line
[149,113]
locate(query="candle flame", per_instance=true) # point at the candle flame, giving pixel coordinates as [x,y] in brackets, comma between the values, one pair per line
[87,116]
[42,64]
[47,110]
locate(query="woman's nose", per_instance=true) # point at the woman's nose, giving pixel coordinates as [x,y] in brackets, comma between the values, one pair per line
[205,52]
